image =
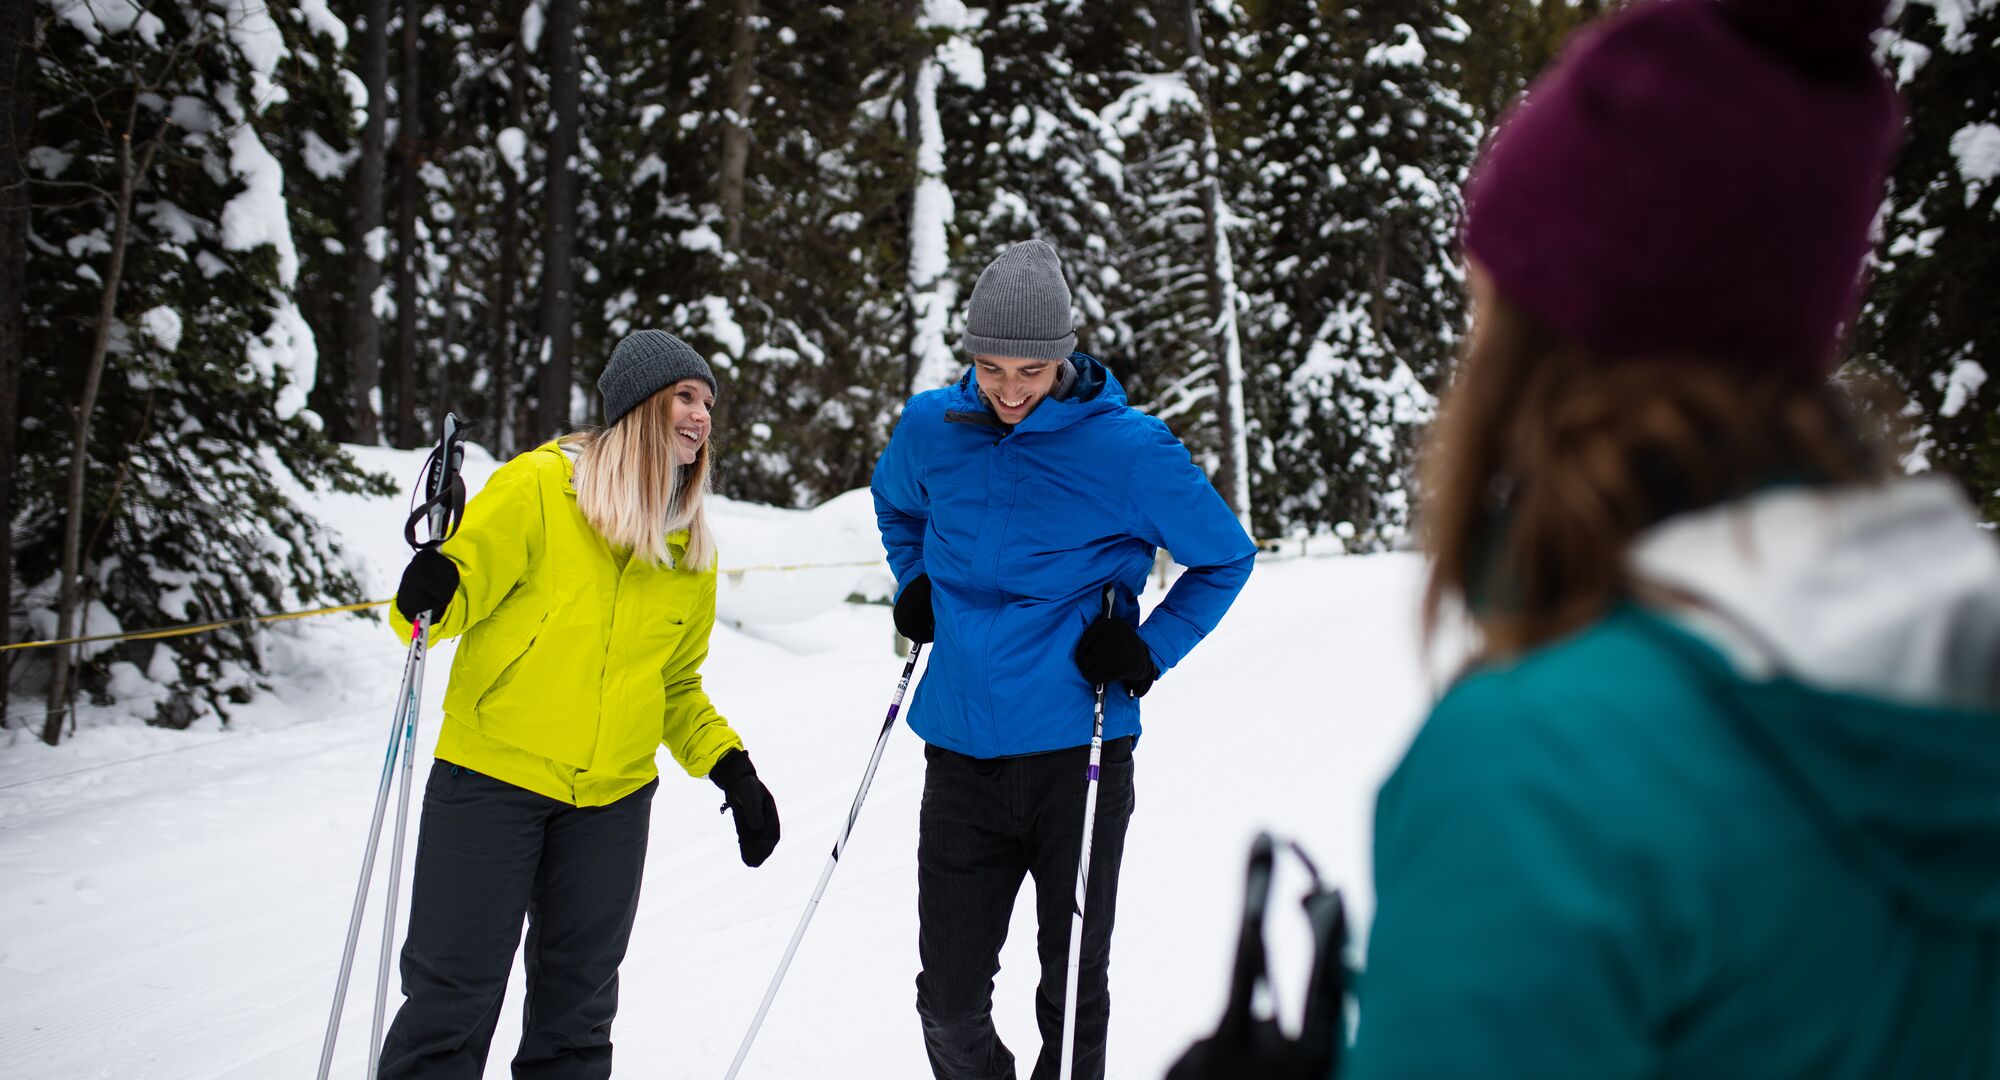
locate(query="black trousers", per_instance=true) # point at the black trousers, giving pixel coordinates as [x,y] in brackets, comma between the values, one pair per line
[985,825]
[488,855]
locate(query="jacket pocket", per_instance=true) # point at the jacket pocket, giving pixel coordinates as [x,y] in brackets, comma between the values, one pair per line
[506,671]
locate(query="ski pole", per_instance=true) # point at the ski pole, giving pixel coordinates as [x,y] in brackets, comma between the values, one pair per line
[410,667]
[839,845]
[1083,870]
[443,504]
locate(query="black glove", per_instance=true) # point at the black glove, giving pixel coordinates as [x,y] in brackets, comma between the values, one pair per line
[428,584]
[1112,651]
[756,811]
[914,618]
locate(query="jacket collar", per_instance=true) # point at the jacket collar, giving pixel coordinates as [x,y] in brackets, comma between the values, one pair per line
[1093,391]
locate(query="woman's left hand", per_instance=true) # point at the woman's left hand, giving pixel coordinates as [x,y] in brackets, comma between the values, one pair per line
[756,812]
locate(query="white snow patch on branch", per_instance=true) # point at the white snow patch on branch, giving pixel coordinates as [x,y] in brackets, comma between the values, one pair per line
[163,325]
[723,327]
[323,21]
[1963,381]
[533,20]
[513,143]
[262,44]
[700,238]
[95,18]
[933,294]
[1405,52]
[258,215]
[323,161]
[1976,148]
[286,348]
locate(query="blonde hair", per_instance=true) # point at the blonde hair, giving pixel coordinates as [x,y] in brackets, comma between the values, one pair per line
[633,490]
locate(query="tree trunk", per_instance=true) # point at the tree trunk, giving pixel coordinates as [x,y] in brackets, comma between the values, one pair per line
[16,24]
[409,186]
[559,250]
[736,129]
[506,412]
[79,456]
[1224,342]
[364,330]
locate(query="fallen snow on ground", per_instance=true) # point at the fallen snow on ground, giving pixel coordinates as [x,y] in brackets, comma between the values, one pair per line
[173,902]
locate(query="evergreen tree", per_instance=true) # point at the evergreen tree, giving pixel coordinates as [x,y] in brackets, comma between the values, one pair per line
[157,118]
[1927,324]
[1360,144]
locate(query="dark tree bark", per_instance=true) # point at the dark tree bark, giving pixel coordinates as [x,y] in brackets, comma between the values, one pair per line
[409,203]
[506,292]
[364,330]
[129,172]
[16,23]
[736,132]
[559,249]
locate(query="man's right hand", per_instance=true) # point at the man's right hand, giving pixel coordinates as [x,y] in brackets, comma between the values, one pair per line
[914,618]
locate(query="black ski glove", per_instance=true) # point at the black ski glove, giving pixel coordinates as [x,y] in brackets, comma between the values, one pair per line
[428,584]
[756,811]
[1112,651]
[914,618]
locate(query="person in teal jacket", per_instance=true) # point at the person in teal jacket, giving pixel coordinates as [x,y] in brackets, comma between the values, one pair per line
[1719,795]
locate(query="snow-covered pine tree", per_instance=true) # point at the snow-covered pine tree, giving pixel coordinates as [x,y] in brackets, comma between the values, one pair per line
[201,412]
[1026,153]
[1928,323]
[1355,147]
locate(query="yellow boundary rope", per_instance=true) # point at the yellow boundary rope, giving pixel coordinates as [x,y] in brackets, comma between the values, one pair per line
[222,624]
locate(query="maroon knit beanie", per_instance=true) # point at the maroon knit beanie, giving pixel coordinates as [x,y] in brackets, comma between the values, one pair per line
[1694,177]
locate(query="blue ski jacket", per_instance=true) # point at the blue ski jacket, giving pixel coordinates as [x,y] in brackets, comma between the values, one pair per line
[1019,529]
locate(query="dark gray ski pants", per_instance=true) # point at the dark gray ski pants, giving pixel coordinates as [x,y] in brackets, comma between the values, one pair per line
[987,824]
[488,855]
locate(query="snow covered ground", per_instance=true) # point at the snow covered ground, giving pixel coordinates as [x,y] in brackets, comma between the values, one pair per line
[172,903]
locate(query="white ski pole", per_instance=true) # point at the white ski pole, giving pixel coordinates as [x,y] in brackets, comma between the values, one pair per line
[839,845]
[1083,871]
[444,501]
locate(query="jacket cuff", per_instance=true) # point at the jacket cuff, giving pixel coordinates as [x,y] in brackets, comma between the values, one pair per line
[734,765]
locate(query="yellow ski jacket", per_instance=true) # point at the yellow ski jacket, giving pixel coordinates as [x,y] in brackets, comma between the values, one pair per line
[578,661]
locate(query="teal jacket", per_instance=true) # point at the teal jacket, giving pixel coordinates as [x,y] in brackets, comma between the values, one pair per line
[1758,837]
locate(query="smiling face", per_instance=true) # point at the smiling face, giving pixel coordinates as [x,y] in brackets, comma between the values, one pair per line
[688,402]
[1015,385]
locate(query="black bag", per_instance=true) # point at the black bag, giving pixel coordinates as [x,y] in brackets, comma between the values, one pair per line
[1247,1046]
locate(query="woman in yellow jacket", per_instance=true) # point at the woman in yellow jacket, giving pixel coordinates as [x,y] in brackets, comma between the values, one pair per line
[583,580]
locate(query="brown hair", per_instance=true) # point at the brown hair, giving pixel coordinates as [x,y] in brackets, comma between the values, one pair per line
[1548,459]
[633,490]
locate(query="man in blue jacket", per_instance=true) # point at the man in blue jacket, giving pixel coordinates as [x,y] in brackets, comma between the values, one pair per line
[1006,503]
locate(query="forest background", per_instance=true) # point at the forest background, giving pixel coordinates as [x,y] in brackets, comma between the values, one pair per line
[235,235]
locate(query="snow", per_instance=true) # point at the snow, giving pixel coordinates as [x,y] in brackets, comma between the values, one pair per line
[95,18]
[323,161]
[513,143]
[534,18]
[175,900]
[324,21]
[163,325]
[1406,51]
[722,326]
[287,347]
[258,215]
[262,44]
[1976,149]
[933,293]
[1960,384]
[700,238]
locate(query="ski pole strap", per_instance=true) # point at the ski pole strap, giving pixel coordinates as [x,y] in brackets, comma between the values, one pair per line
[443,488]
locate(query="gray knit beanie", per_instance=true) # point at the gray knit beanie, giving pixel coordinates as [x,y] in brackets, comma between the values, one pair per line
[645,363]
[1020,307]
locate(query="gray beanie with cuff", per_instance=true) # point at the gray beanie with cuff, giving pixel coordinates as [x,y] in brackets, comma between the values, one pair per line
[1020,307]
[645,363]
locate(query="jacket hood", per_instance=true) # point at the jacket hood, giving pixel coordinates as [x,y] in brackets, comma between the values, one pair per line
[1855,637]
[1095,390]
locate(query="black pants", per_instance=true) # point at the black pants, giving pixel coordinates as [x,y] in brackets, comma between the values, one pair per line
[985,825]
[489,854]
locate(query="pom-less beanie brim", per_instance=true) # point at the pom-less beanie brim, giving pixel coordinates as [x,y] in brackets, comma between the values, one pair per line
[1023,348]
